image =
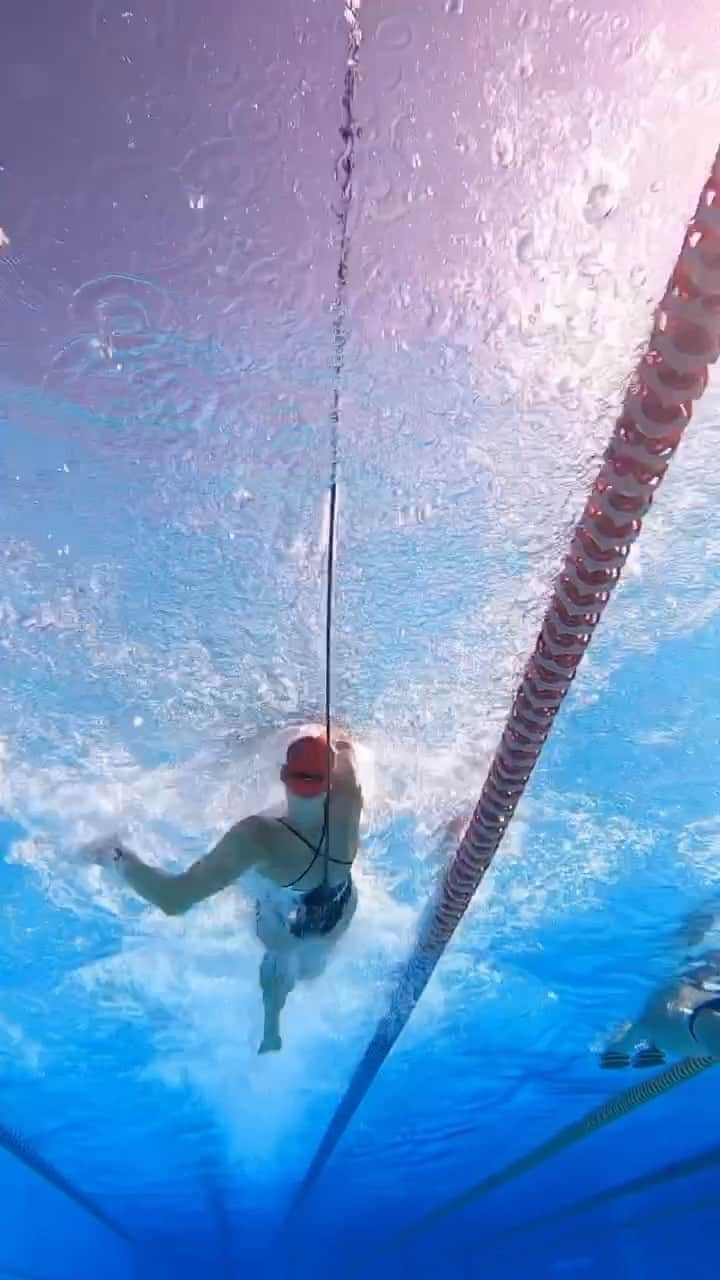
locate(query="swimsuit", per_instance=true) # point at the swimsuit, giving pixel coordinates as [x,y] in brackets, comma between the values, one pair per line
[704,975]
[713,1004]
[321,909]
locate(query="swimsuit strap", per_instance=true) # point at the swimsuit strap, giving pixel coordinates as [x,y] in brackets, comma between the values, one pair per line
[707,1004]
[308,843]
[314,851]
[341,862]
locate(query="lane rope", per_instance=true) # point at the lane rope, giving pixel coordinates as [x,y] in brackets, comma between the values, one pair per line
[19,1147]
[673,1172]
[666,1215]
[344,171]
[607,1113]
[658,405]
[15,1273]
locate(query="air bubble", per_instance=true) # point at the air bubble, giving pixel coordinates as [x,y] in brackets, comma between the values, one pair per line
[503,148]
[465,143]
[527,21]
[526,249]
[393,33]
[589,267]
[600,203]
[525,67]
[455,7]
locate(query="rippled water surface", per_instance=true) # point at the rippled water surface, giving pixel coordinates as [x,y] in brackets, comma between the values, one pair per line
[168,255]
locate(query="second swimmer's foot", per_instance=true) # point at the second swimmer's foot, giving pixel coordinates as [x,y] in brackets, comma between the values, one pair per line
[270,1044]
[649,1057]
[613,1060]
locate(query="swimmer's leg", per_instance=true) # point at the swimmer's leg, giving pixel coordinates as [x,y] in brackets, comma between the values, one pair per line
[312,959]
[276,983]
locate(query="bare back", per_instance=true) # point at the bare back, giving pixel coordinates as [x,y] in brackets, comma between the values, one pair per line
[291,847]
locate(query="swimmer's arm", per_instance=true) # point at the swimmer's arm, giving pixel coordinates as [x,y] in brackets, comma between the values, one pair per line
[346,801]
[345,790]
[344,771]
[234,854]
[697,925]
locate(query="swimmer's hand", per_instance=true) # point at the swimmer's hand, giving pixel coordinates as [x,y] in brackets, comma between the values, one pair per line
[451,833]
[105,851]
[457,826]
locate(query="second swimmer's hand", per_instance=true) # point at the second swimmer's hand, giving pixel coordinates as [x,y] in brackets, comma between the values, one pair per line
[105,851]
[450,833]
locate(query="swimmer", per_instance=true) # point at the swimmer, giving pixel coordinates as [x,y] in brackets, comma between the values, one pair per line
[681,1019]
[299,918]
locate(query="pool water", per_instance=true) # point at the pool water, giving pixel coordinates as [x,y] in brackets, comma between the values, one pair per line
[167,268]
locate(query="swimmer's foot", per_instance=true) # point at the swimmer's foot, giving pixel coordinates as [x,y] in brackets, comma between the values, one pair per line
[450,833]
[613,1060]
[270,1044]
[649,1057]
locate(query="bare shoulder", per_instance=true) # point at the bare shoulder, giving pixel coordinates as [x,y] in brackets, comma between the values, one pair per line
[242,838]
[247,843]
[262,832]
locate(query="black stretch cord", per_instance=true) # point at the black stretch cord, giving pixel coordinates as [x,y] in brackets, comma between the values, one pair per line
[344,175]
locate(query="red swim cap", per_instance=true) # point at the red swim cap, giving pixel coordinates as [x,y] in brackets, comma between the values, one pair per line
[305,772]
